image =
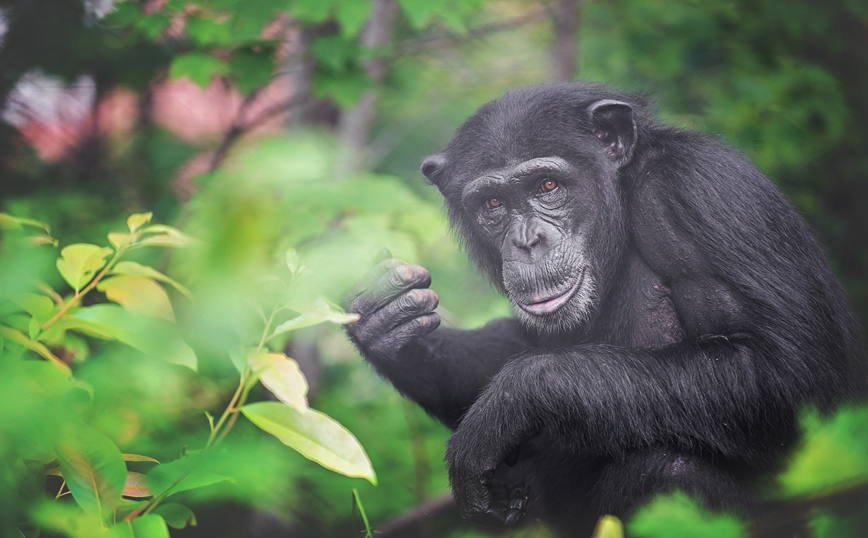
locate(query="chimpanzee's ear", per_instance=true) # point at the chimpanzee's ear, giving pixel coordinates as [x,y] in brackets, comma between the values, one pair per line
[432,167]
[615,125]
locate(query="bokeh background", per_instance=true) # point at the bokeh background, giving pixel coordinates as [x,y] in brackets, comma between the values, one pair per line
[260,125]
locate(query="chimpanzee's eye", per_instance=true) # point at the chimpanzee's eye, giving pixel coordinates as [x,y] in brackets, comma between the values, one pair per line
[548,185]
[492,203]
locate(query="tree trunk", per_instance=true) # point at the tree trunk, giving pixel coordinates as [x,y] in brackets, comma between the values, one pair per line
[355,124]
[566,40]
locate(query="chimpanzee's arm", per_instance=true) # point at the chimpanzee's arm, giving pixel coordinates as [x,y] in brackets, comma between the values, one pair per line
[443,370]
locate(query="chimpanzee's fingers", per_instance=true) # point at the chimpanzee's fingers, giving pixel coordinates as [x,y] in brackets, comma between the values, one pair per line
[389,287]
[406,333]
[407,306]
[368,280]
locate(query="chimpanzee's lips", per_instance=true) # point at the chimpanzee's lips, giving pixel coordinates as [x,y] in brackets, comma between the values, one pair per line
[551,304]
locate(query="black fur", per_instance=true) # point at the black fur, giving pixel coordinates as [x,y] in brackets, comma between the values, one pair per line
[693,316]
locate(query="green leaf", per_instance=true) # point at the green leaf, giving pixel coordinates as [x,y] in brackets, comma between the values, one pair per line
[139,295]
[314,11]
[66,519]
[352,14]
[94,471]
[166,236]
[38,306]
[8,221]
[320,312]
[251,69]
[834,452]
[176,515]
[137,486]
[281,376]
[139,458]
[18,337]
[133,268]
[79,263]
[334,52]
[149,526]
[209,31]
[238,356]
[155,337]
[677,516]
[34,329]
[345,88]
[314,435]
[181,475]
[200,67]
[137,220]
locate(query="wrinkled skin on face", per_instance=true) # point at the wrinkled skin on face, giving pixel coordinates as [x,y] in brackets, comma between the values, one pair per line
[529,211]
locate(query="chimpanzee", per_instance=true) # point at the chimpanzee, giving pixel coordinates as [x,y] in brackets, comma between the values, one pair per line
[672,314]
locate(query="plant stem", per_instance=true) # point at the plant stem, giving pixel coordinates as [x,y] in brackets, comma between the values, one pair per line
[84,291]
[229,409]
[241,393]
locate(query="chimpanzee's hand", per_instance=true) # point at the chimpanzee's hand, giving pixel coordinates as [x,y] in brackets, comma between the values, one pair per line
[396,309]
[479,459]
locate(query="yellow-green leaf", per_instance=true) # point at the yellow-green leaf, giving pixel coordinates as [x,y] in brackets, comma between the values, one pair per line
[139,295]
[133,268]
[315,436]
[118,239]
[609,527]
[79,263]
[281,376]
[137,220]
[137,486]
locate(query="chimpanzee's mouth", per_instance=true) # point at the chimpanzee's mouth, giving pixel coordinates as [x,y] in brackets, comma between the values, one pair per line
[552,304]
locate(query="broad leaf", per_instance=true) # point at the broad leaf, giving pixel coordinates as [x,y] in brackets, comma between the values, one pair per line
[133,268]
[281,376]
[149,526]
[200,67]
[139,295]
[94,471]
[79,263]
[182,475]
[315,436]
[351,14]
[137,486]
[154,337]
[176,515]
[38,306]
